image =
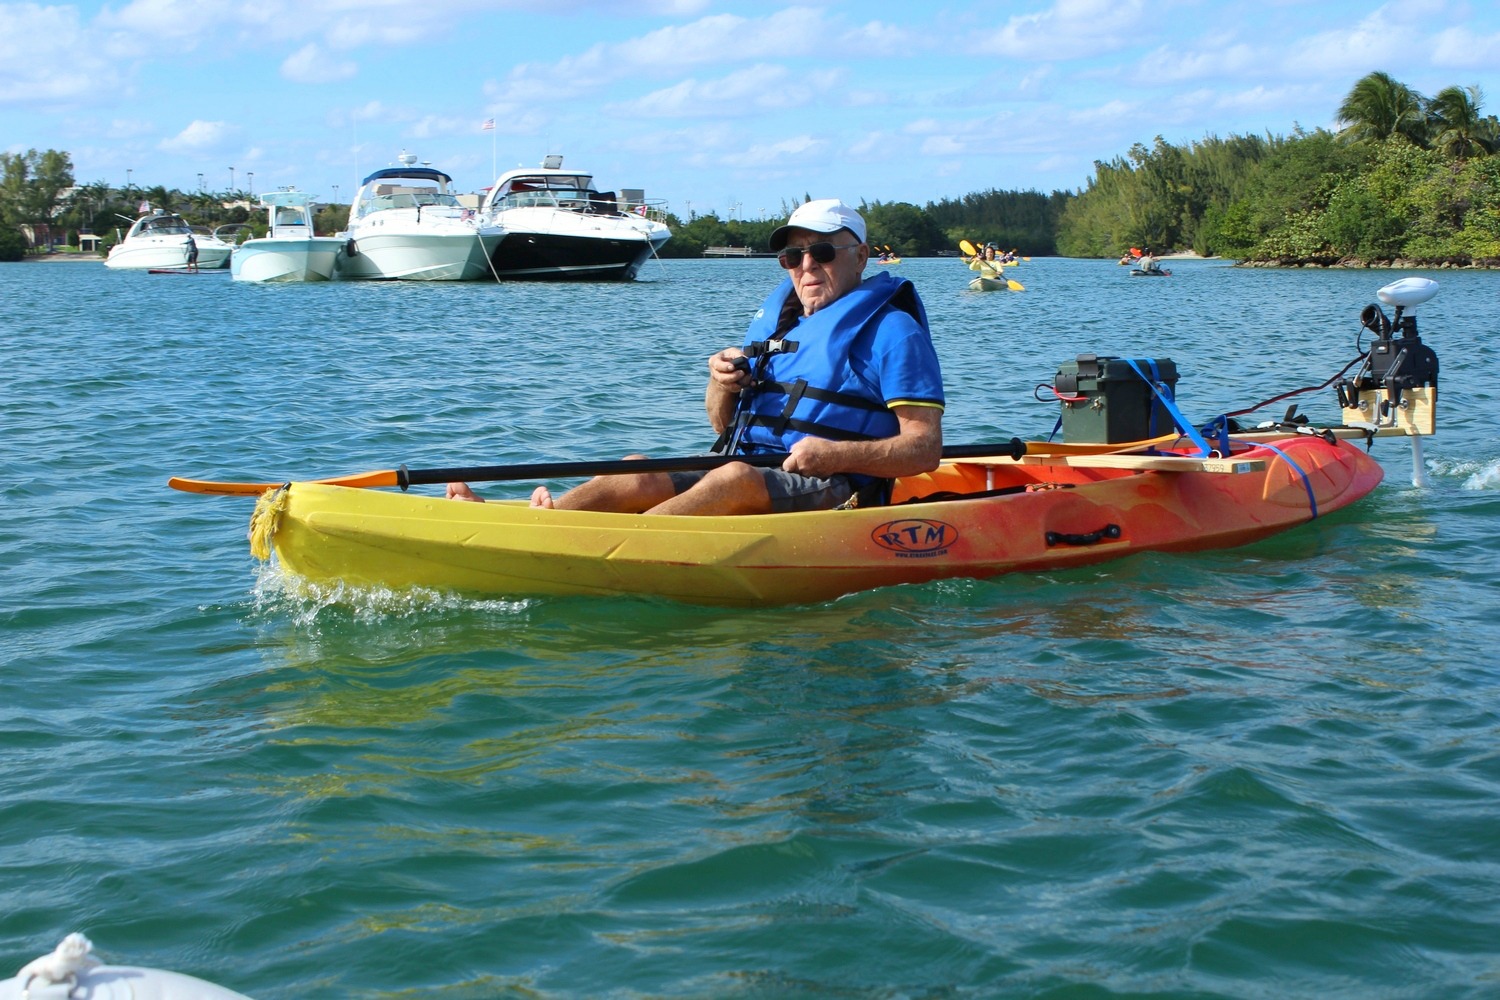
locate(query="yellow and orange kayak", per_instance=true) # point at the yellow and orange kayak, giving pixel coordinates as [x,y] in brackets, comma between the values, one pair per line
[972,518]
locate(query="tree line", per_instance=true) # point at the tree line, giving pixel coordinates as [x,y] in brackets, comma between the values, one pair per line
[1403,177]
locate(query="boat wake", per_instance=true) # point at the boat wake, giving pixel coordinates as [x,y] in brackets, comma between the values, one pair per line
[1481,474]
[306,603]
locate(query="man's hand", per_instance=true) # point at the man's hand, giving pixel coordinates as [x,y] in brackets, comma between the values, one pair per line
[917,447]
[816,457]
[729,370]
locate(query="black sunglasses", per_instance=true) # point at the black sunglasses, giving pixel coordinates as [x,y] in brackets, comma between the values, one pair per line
[823,253]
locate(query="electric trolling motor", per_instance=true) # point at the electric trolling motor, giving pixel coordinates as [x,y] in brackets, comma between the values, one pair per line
[1395,390]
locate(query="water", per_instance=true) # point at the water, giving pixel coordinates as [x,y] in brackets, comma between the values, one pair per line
[1264,772]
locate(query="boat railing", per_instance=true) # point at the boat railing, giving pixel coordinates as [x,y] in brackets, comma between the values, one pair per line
[654,209]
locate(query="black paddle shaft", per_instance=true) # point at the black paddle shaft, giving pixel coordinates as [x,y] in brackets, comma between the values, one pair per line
[405,477]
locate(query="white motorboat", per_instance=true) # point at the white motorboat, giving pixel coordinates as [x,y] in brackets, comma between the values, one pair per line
[558,225]
[405,223]
[163,240]
[290,251]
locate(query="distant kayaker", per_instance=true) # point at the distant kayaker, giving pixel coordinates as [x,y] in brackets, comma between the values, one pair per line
[1147,262]
[837,371]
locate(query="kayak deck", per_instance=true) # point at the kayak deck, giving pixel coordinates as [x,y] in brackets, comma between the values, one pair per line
[975,518]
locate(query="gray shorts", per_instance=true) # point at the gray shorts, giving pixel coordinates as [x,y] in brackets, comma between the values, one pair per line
[789,492]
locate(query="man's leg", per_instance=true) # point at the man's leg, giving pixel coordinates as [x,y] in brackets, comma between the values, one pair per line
[623,494]
[729,489]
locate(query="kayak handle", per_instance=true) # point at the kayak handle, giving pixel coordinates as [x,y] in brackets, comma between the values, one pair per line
[1092,538]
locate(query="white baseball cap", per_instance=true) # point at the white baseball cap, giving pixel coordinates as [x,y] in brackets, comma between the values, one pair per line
[823,215]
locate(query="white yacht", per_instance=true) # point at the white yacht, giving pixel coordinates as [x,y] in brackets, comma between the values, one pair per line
[558,225]
[163,240]
[405,223]
[290,251]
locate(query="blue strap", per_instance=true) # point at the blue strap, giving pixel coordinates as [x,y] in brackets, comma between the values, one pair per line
[1164,393]
[1312,499]
[1218,429]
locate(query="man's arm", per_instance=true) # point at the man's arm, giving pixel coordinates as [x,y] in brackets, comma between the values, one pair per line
[917,447]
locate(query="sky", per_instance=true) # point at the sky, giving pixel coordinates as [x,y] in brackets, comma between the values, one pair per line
[737,109]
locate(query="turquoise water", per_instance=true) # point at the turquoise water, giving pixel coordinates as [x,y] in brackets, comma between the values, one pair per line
[1265,772]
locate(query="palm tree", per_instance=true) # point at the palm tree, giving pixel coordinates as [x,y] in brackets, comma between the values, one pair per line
[159,198]
[1378,107]
[90,200]
[1454,120]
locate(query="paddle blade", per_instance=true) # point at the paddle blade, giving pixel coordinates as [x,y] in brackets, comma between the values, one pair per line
[1014,285]
[967,247]
[361,480]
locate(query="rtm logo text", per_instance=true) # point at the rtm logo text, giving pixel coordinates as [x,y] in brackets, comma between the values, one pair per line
[915,537]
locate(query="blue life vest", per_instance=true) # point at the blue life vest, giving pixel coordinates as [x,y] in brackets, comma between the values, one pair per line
[806,383]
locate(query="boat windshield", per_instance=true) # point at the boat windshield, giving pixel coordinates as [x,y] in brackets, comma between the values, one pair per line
[548,190]
[386,200]
[164,225]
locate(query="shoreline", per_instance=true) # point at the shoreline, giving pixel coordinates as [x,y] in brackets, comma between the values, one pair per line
[61,258]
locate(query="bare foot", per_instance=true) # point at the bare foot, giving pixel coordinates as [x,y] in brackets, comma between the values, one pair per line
[541,497]
[461,491]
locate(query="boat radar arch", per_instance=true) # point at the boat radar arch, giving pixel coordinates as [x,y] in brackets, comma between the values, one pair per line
[407,159]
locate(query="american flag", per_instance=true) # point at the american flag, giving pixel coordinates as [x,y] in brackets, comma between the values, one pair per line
[489,125]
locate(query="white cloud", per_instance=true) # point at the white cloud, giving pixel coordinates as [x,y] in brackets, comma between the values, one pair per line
[942,146]
[718,39]
[47,56]
[178,22]
[432,126]
[1461,48]
[1109,113]
[1168,64]
[309,64]
[877,39]
[748,91]
[784,153]
[359,30]
[1072,29]
[198,136]
[1383,38]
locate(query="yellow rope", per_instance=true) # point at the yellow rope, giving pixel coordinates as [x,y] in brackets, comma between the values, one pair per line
[263,522]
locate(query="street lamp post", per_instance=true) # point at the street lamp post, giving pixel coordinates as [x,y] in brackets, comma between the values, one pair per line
[128,172]
[231,180]
[200,183]
[251,175]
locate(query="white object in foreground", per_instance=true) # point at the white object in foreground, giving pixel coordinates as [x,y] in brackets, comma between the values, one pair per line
[71,971]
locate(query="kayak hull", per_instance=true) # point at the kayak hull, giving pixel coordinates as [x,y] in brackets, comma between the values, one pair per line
[1028,516]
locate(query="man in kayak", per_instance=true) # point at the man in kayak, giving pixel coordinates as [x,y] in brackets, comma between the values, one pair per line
[837,371]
